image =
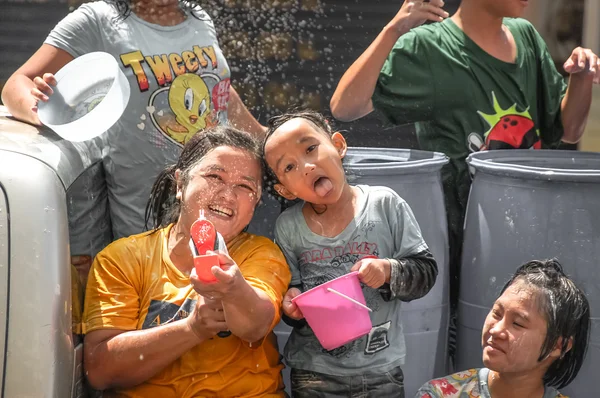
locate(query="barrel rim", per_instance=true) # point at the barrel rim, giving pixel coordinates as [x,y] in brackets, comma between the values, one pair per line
[415,161]
[498,162]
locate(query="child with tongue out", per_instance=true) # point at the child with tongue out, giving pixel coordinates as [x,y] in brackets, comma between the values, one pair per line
[336,229]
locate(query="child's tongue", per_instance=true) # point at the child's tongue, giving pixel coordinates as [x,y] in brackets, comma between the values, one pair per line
[323,186]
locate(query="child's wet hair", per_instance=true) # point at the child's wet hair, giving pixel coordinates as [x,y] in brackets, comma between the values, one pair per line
[312,116]
[318,120]
[163,208]
[567,313]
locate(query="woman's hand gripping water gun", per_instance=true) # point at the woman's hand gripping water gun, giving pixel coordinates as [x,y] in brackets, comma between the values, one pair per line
[215,272]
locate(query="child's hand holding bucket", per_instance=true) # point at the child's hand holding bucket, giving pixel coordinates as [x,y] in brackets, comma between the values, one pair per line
[372,271]
[290,309]
[336,310]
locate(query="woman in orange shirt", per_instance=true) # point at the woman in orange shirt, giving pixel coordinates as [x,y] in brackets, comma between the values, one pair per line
[150,326]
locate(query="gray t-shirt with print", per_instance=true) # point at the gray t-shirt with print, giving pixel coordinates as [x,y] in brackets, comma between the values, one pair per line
[179,83]
[385,227]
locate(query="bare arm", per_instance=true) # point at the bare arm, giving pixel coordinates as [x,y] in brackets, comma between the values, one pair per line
[249,311]
[21,93]
[584,67]
[114,358]
[352,97]
[241,118]
[118,359]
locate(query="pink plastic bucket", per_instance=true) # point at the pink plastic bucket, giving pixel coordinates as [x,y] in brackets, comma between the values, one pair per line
[336,320]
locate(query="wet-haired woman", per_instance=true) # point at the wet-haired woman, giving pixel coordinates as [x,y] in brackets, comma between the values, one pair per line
[180,84]
[534,339]
[150,326]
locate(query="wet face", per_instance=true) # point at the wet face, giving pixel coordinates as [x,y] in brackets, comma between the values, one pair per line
[514,332]
[307,162]
[226,185]
[506,8]
[161,12]
[150,4]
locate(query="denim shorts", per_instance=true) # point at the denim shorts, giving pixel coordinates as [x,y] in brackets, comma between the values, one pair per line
[307,384]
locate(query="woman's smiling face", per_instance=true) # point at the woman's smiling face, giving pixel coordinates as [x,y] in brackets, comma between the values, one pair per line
[226,185]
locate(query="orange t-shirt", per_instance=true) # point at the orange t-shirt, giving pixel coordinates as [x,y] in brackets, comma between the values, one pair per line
[134,285]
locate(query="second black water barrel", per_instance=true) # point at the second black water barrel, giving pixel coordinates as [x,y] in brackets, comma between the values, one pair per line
[528,205]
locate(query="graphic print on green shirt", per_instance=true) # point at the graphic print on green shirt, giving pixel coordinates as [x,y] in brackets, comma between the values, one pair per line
[509,129]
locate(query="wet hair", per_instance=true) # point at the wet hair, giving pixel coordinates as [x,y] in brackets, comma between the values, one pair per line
[567,313]
[312,116]
[317,119]
[163,208]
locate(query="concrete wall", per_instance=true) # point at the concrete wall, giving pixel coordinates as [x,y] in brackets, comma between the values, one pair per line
[542,14]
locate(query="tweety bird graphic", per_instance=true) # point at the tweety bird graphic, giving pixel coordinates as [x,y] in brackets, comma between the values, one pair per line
[189,99]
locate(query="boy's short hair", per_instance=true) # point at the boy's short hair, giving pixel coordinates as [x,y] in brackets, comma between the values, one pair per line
[312,116]
[320,122]
[567,312]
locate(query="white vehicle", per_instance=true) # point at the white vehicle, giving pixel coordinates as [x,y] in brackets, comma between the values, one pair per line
[41,351]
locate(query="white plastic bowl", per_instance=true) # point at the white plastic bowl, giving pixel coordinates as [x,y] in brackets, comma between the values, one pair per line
[90,96]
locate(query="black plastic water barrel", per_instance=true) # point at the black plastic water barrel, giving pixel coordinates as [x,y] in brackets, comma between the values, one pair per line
[415,176]
[528,205]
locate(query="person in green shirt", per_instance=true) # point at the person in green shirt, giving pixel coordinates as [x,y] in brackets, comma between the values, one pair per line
[482,79]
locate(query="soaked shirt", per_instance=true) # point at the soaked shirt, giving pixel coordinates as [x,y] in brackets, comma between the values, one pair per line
[384,227]
[179,82]
[133,285]
[472,383]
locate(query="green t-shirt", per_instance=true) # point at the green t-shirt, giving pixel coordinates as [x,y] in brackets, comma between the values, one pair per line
[462,99]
